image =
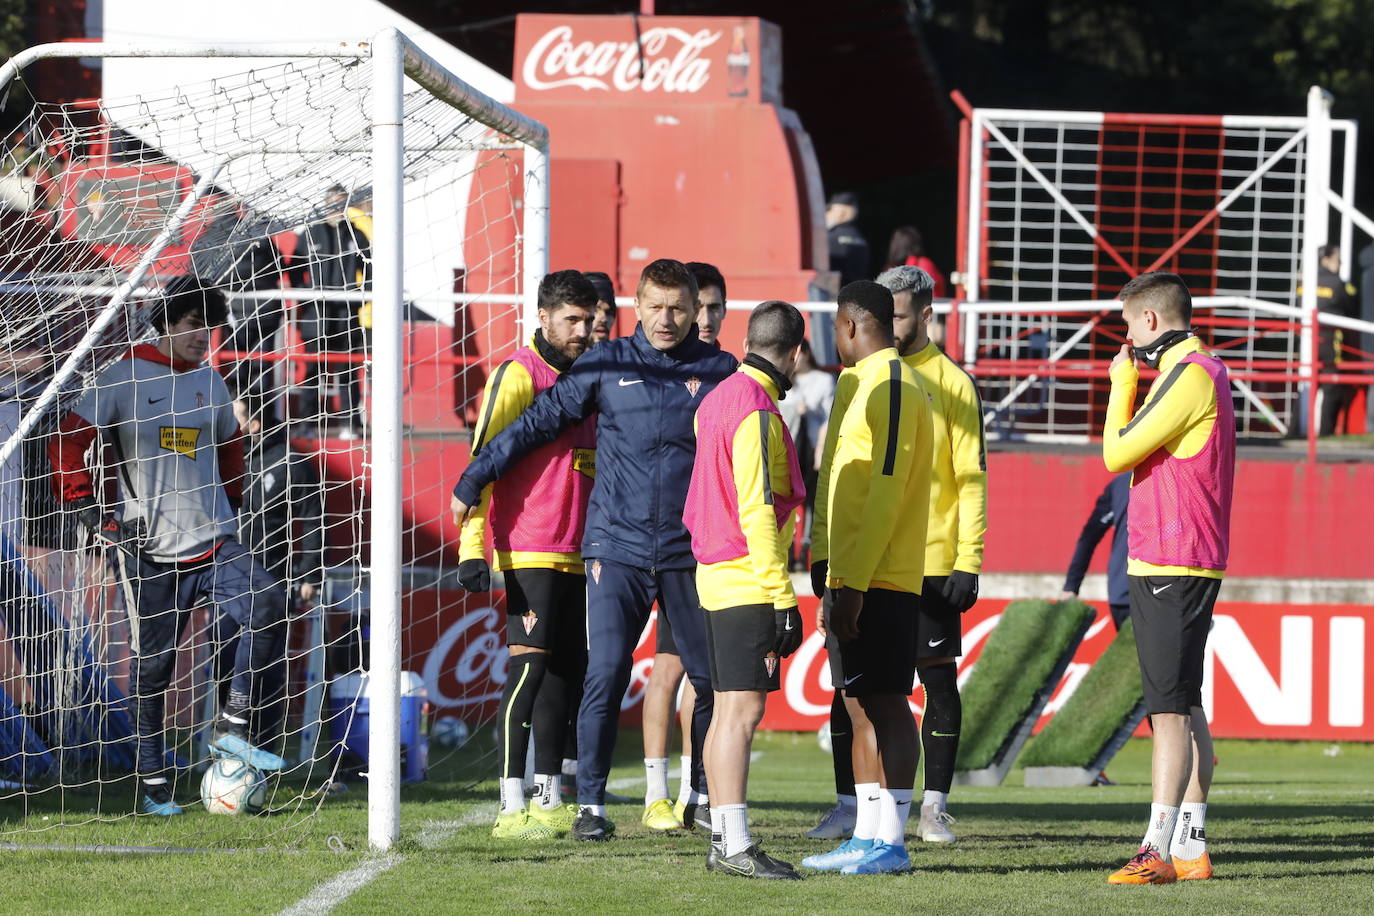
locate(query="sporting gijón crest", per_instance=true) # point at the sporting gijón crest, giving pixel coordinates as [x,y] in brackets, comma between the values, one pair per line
[770,663]
[693,385]
[596,571]
[529,619]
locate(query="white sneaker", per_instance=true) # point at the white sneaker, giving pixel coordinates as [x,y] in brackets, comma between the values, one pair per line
[934,826]
[836,824]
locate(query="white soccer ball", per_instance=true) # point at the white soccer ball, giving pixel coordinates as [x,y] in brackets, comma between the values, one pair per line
[448,731]
[231,786]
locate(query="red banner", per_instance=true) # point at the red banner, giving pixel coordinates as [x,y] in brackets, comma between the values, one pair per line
[1273,671]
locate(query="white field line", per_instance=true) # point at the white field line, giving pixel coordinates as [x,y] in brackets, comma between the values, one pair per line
[326,896]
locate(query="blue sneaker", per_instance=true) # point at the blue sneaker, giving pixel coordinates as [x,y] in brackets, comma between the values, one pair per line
[158,800]
[847,853]
[228,740]
[882,859]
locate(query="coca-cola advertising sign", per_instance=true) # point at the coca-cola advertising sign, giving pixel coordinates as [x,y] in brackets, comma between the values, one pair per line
[621,58]
[1273,671]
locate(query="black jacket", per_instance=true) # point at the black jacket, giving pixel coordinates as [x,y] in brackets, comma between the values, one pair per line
[1108,513]
[645,400]
[282,518]
[849,255]
[335,256]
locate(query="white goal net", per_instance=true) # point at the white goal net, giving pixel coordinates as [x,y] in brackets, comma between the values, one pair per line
[195,560]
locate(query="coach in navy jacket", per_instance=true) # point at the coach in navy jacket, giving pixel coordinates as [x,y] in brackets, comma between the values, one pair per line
[645,390]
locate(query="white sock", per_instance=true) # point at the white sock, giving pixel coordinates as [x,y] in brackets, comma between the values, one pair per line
[700,799]
[894,807]
[866,820]
[684,780]
[570,767]
[548,790]
[735,818]
[656,779]
[718,828]
[931,798]
[1160,833]
[848,803]
[512,794]
[1190,839]
[597,810]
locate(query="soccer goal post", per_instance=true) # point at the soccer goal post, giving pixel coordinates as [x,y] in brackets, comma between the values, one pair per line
[265,145]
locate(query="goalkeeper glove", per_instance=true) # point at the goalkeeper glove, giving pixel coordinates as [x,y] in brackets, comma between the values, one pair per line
[787,631]
[474,575]
[819,570]
[961,590]
[87,512]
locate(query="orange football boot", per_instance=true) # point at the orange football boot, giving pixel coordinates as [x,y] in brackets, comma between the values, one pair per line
[1198,869]
[1146,867]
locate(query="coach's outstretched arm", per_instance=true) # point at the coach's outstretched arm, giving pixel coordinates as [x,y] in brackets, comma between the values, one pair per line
[572,398]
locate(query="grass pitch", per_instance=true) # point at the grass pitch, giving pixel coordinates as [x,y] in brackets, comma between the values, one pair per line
[1291,829]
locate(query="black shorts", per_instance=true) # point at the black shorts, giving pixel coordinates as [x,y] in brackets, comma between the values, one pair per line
[663,636]
[546,609]
[1172,616]
[939,625]
[882,660]
[740,640]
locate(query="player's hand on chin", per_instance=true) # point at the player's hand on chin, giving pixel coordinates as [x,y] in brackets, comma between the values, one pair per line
[1124,355]
[845,609]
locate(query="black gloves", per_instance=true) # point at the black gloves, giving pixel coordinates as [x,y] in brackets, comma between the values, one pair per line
[961,590]
[474,575]
[819,570]
[87,513]
[108,529]
[787,631]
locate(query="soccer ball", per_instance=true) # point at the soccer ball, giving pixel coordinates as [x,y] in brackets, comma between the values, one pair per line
[823,737]
[231,786]
[449,732]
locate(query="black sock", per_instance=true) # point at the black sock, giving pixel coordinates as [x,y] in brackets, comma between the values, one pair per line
[550,722]
[523,678]
[842,746]
[944,714]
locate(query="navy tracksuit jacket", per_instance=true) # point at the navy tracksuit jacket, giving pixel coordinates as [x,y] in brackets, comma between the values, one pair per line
[635,545]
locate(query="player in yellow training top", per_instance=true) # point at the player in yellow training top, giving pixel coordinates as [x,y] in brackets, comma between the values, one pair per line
[873,500]
[1181,449]
[535,515]
[746,486]
[954,558]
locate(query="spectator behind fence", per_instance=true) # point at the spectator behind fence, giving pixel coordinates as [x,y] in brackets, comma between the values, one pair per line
[806,412]
[907,248]
[338,258]
[849,255]
[1334,297]
[235,253]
